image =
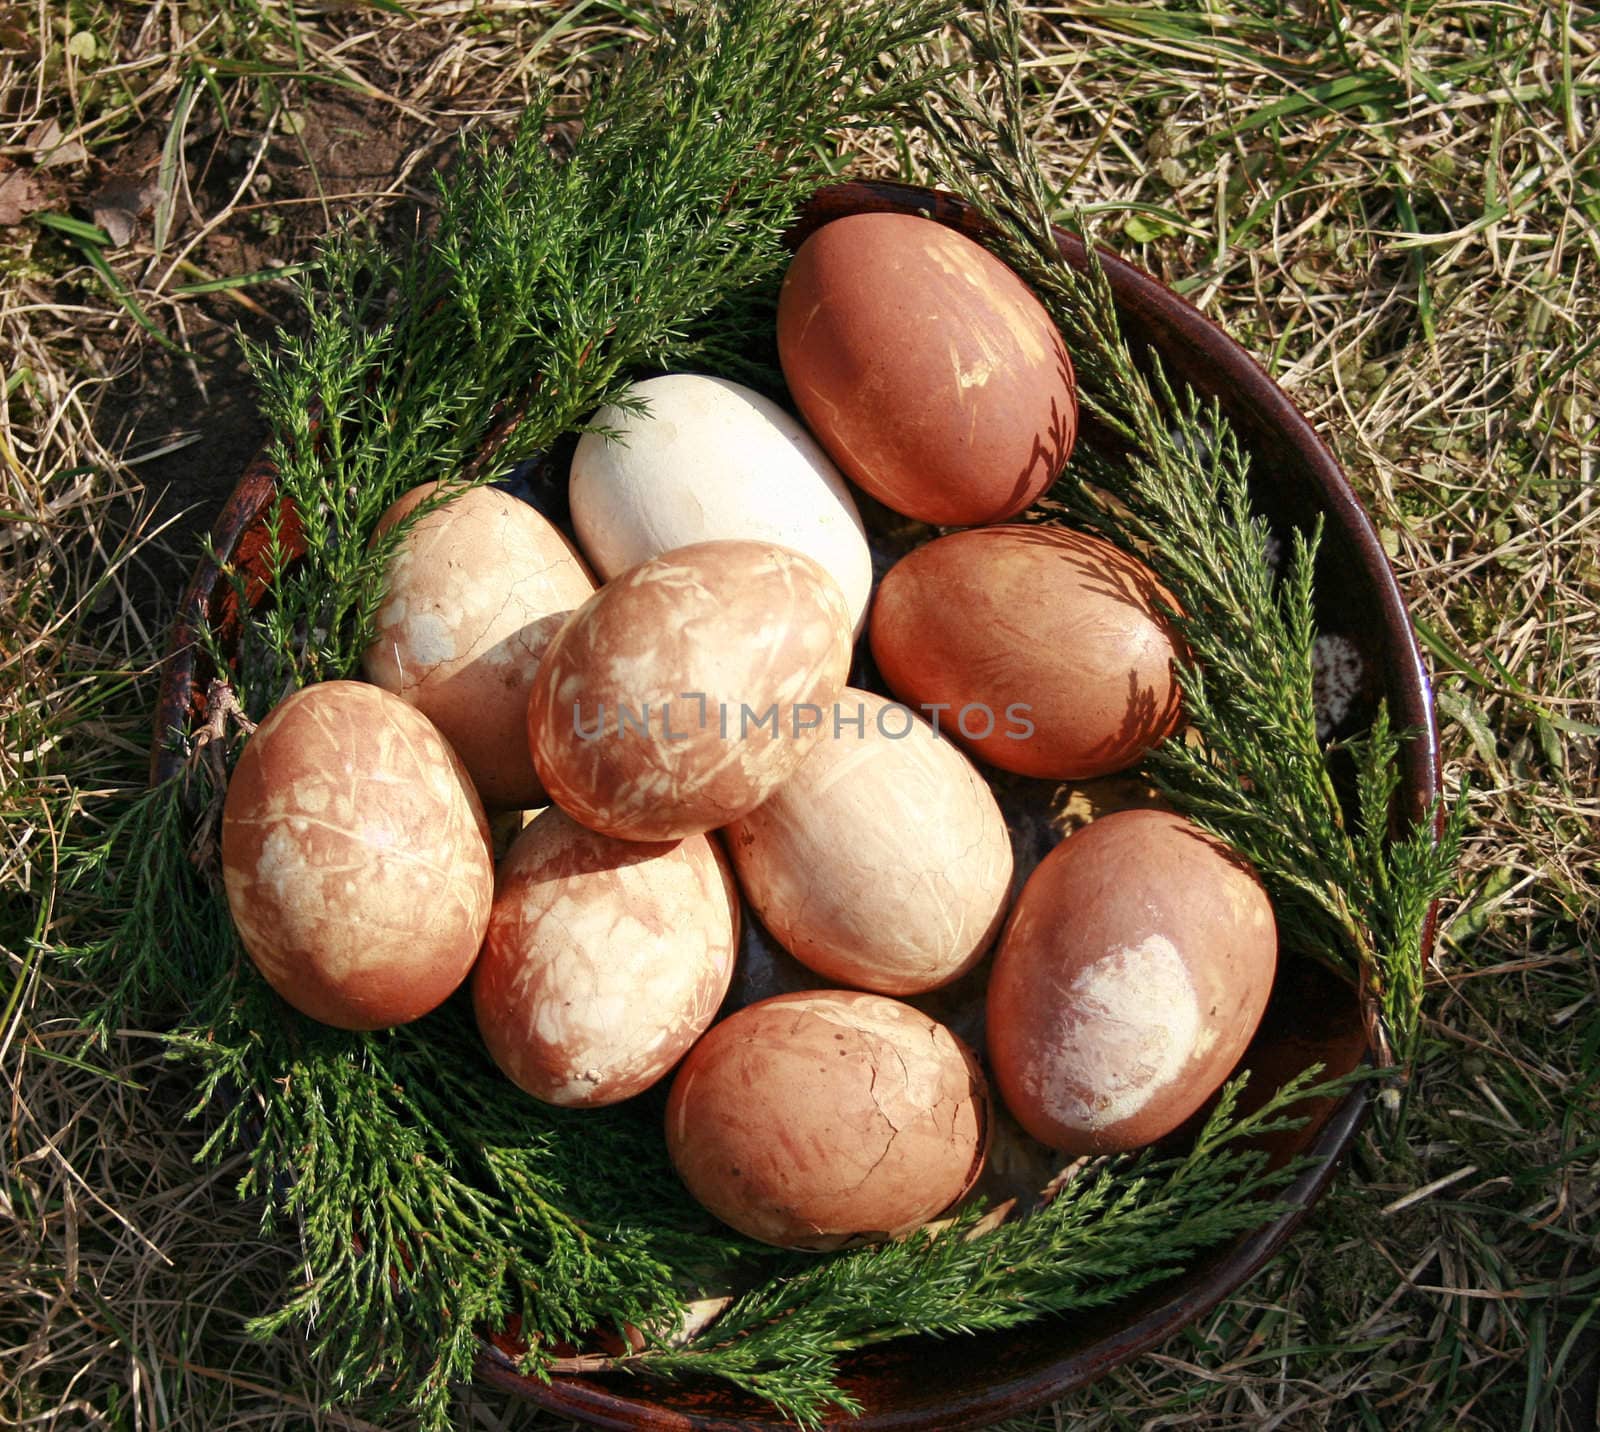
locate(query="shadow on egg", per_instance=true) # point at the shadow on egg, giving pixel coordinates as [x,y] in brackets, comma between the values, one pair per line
[1053,447]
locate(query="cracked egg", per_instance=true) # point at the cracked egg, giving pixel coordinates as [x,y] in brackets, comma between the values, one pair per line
[926,368]
[1131,976]
[828,1117]
[356,857]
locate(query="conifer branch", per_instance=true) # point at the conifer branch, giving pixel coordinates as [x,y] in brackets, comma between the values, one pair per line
[548,280]
[1121,1226]
[1176,492]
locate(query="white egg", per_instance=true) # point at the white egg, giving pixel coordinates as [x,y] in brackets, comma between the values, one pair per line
[711,460]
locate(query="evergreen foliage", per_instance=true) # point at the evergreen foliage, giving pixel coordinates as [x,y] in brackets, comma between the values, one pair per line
[1176,492]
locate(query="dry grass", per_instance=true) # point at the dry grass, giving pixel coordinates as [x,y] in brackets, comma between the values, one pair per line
[1398,212]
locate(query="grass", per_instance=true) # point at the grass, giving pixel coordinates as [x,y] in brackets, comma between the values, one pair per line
[1396,209]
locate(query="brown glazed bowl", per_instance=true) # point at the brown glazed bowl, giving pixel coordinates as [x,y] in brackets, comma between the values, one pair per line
[970,1381]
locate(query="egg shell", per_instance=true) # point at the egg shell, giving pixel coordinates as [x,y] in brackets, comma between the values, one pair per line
[883,862]
[926,368]
[711,460]
[687,689]
[1133,973]
[355,855]
[830,1117]
[474,591]
[604,961]
[1060,629]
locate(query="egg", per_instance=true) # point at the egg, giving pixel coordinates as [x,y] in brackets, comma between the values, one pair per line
[830,1117]
[1134,970]
[355,855]
[712,460]
[604,961]
[687,689]
[1045,651]
[883,862]
[926,368]
[474,591]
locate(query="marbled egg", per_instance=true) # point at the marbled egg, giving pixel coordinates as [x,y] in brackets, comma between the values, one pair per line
[711,460]
[927,369]
[1134,970]
[883,862]
[687,689]
[475,589]
[829,1117]
[356,857]
[604,961]
[1046,651]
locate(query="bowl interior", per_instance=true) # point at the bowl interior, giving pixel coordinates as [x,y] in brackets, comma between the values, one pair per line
[1313,1016]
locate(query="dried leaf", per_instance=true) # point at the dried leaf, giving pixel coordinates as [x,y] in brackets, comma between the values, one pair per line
[119,205]
[21,194]
[50,148]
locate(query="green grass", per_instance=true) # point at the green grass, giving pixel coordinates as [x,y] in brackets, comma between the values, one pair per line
[1396,209]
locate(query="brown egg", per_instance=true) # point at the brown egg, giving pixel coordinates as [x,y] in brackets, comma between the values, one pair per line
[926,368]
[684,691]
[883,862]
[605,959]
[1044,651]
[1133,972]
[356,857]
[824,1118]
[474,592]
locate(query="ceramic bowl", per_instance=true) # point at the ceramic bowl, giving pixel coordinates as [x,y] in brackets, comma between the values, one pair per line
[964,1382]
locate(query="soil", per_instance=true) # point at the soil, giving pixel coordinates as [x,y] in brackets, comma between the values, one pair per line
[203,402]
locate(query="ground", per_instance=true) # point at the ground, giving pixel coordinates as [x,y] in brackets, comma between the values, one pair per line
[1397,212]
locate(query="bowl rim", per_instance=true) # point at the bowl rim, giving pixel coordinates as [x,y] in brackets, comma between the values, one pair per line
[1406,678]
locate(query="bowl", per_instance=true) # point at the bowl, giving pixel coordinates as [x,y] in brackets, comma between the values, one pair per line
[970,1381]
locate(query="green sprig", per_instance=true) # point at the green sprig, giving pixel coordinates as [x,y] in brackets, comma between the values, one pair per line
[1173,487]
[548,281]
[1117,1227]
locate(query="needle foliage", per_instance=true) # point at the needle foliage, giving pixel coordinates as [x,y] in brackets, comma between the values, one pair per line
[1170,482]
[548,280]
[432,1199]
[1116,1228]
